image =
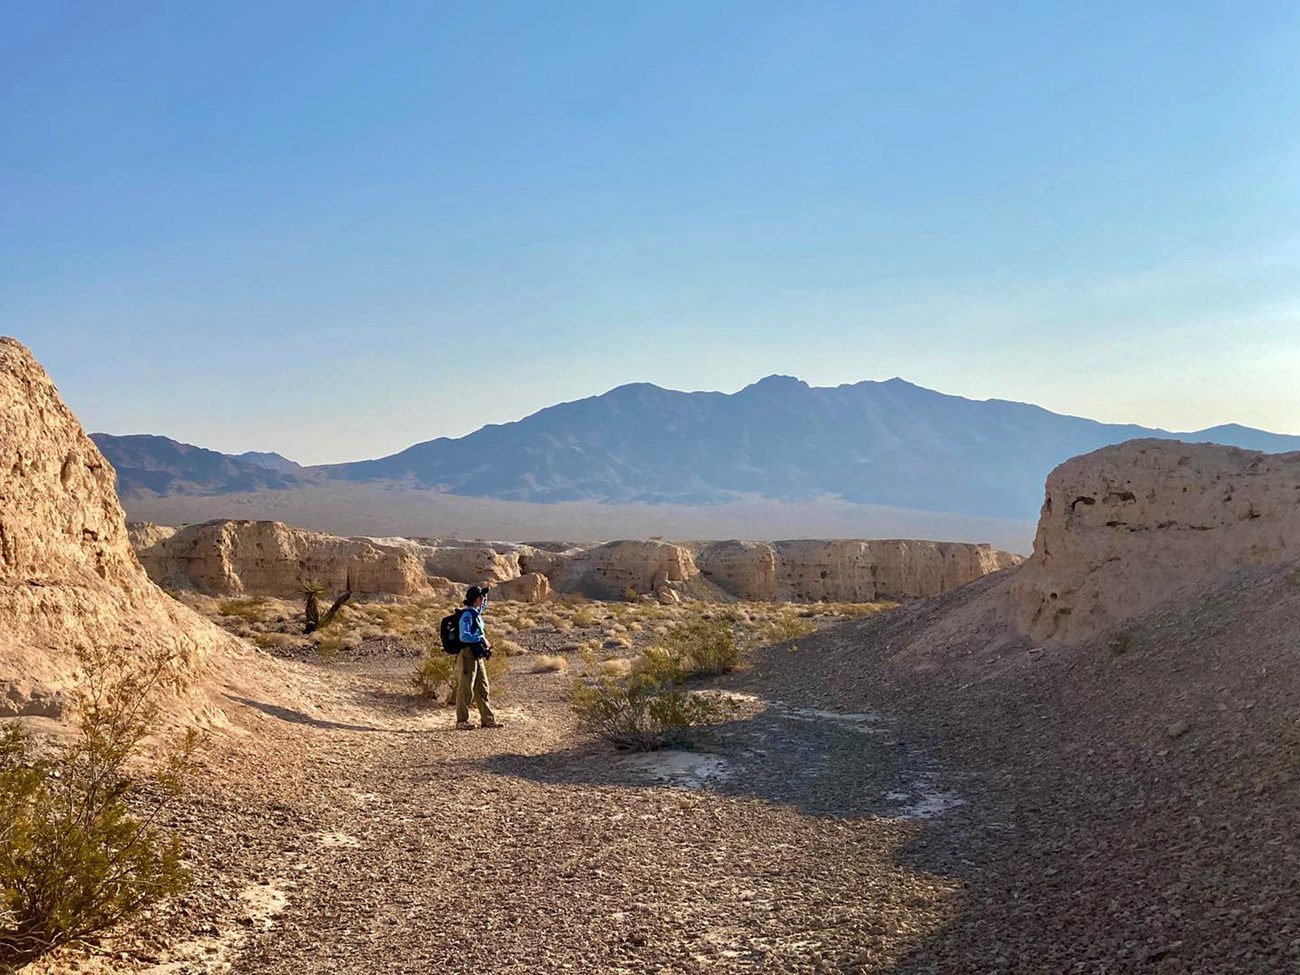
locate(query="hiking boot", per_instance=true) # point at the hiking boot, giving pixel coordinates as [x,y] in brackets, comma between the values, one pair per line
[464,726]
[493,723]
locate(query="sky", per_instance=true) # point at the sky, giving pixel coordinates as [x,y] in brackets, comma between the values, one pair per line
[336,229]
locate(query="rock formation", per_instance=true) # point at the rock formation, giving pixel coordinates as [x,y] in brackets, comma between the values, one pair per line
[858,571]
[607,571]
[69,579]
[1123,527]
[232,558]
[269,558]
[531,588]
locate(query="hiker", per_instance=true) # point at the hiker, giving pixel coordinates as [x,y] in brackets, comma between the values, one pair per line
[472,679]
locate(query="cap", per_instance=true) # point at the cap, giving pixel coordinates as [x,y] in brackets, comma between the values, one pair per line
[473,592]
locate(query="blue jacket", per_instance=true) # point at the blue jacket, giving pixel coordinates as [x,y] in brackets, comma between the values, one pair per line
[471,627]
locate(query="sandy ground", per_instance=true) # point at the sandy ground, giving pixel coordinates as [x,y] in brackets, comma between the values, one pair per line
[381,839]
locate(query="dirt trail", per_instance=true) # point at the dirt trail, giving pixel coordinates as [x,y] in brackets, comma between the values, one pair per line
[380,839]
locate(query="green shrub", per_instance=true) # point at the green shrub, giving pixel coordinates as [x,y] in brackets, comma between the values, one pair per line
[435,675]
[630,595]
[662,664]
[640,713]
[79,849]
[707,647]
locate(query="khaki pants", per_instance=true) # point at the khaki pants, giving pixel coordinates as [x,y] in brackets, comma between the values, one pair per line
[472,683]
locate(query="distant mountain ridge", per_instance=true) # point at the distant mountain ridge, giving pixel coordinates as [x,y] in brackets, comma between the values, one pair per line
[889,443]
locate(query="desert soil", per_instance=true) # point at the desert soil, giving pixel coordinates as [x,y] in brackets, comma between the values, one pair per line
[1132,806]
[381,839]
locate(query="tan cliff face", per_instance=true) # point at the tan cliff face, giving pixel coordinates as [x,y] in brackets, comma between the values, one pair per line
[232,558]
[268,558]
[847,570]
[69,578]
[1125,526]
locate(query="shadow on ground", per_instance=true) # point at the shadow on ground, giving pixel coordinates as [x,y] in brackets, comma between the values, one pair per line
[297,717]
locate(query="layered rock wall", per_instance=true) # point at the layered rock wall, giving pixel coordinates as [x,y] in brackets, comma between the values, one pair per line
[855,571]
[232,558]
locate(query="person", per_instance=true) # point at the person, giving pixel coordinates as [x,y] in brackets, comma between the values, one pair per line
[472,679]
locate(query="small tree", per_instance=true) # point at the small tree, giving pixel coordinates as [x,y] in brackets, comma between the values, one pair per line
[75,857]
[312,619]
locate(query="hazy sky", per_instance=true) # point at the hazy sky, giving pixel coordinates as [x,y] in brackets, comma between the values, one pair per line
[336,229]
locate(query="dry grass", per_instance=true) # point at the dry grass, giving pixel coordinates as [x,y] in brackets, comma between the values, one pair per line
[546,663]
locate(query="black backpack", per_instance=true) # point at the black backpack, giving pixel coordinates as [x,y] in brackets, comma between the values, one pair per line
[449,632]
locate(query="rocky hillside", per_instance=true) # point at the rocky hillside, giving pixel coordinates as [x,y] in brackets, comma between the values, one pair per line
[69,579]
[269,558]
[1121,713]
[887,443]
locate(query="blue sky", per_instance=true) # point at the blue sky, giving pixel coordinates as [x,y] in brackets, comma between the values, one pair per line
[335,229]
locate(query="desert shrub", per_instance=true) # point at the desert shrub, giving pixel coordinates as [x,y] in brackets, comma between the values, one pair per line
[273,641]
[631,595]
[79,849]
[860,609]
[615,667]
[545,663]
[583,616]
[662,664]
[249,609]
[707,646]
[640,713]
[783,628]
[435,675]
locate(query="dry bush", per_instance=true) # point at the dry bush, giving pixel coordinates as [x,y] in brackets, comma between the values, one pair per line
[642,714]
[546,663]
[584,616]
[616,667]
[76,857]
[781,629]
[273,641]
[859,609]
[250,608]
[631,595]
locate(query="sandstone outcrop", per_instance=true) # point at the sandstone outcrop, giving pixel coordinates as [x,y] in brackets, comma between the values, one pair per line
[233,558]
[857,571]
[69,579]
[607,571]
[1123,527]
[530,588]
[268,558]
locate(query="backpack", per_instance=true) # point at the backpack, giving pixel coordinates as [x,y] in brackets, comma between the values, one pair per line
[449,632]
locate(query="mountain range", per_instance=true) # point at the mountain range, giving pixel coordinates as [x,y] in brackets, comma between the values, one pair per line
[887,443]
